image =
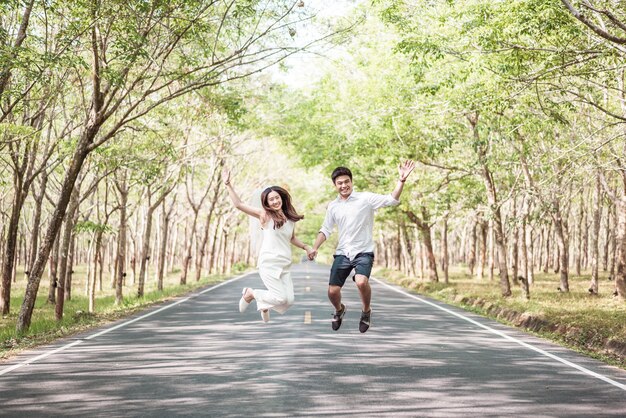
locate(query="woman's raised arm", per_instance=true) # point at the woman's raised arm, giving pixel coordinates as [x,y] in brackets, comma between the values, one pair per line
[234,197]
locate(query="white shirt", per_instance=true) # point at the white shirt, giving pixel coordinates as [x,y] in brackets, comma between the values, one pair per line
[354,218]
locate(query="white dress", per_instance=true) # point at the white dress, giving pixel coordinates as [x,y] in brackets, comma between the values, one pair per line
[274,263]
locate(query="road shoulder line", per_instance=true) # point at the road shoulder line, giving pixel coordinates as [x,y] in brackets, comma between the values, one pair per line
[122,325]
[507,337]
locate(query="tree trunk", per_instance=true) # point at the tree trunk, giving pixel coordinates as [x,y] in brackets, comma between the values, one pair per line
[19,196]
[560,225]
[494,205]
[224,245]
[585,240]
[53,270]
[100,267]
[188,256]
[620,274]
[548,232]
[207,227]
[482,229]
[145,250]
[492,250]
[192,235]
[417,259]
[579,239]
[163,251]
[445,261]
[214,254]
[70,259]
[97,253]
[9,255]
[471,262]
[557,256]
[381,260]
[34,239]
[121,240]
[133,237]
[203,246]
[115,263]
[233,254]
[500,241]
[406,250]
[80,154]
[426,235]
[595,232]
[65,249]
[562,239]
[530,246]
[607,240]
[515,240]
[538,259]
[613,252]
[2,242]
[523,259]
[174,245]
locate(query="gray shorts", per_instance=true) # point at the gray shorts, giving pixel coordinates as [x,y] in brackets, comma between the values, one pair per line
[342,266]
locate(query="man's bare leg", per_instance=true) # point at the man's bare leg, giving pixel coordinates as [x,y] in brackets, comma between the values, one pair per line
[363,283]
[334,295]
[365,290]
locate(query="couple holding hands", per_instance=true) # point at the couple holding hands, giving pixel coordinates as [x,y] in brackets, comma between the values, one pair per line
[351,211]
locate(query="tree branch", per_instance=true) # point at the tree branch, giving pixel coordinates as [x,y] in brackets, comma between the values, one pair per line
[596,29]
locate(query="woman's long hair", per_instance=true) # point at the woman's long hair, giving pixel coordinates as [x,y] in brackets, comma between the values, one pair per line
[288,209]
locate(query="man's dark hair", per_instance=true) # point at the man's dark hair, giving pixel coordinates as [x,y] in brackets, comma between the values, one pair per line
[341,171]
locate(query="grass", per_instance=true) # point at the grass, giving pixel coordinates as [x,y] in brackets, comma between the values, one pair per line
[45,329]
[576,319]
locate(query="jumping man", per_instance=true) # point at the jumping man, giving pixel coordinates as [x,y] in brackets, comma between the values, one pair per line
[353,213]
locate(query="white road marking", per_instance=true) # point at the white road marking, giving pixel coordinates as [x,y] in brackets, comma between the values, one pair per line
[123,324]
[307,317]
[39,357]
[508,337]
[307,289]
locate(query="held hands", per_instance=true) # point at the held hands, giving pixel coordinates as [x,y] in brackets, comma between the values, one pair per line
[405,169]
[311,253]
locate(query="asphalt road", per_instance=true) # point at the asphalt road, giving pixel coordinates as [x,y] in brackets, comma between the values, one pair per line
[198,356]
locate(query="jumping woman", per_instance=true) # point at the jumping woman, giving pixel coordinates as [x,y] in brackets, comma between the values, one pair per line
[277,217]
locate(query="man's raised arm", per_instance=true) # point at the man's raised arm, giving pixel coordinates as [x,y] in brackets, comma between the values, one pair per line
[403,171]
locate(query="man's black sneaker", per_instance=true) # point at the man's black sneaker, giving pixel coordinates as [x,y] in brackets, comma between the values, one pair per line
[366,320]
[338,317]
